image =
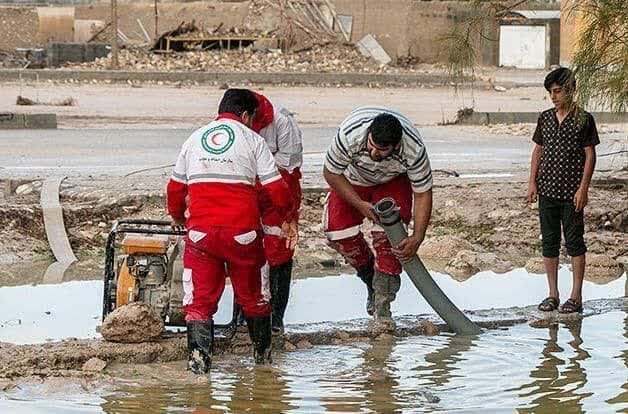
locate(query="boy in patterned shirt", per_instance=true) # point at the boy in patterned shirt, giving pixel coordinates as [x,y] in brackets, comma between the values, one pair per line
[562,164]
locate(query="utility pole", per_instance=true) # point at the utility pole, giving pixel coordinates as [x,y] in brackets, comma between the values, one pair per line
[156,21]
[114,29]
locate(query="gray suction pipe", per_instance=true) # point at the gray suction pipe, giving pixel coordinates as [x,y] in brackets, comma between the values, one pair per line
[388,214]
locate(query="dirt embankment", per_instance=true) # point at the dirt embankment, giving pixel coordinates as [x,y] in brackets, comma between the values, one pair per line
[474,227]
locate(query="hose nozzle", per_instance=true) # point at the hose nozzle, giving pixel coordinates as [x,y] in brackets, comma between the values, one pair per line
[387,211]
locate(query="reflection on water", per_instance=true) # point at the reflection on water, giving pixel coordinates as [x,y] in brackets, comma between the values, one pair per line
[575,368]
[440,365]
[550,377]
[580,367]
[50,312]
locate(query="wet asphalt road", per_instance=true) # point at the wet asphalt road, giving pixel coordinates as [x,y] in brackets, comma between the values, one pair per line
[80,152]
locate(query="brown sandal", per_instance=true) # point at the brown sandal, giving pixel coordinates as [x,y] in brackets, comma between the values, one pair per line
[570,306]
[549,304]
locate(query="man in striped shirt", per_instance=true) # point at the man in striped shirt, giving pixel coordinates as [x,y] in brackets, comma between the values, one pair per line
[376,153]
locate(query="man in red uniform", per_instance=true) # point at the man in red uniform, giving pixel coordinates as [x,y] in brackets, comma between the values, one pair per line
[212,190]
[278,127]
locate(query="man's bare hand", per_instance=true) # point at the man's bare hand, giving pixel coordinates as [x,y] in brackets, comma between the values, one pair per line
[368,211]
[407,248]
[581,198]
[290,230]
[532,192]
[178,224]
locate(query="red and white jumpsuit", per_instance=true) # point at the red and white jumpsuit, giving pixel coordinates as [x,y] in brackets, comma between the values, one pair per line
[213,187]
[280,131]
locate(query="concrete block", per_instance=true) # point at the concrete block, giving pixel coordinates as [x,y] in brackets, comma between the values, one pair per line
[486,118]
[59,53]
[369,47]
[40,121]
[264,44]
[35,56]
[95,50]
[9,120]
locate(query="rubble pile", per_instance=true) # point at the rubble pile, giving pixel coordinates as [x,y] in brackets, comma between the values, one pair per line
[330,58]
[196,35]
[10,59]
[220,30]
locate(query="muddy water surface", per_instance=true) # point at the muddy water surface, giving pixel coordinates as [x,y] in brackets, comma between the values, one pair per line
[577,367]
[34,314]
[581,367]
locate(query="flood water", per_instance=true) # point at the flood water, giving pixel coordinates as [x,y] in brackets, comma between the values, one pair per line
[581,367]
[40,313]
[574,368]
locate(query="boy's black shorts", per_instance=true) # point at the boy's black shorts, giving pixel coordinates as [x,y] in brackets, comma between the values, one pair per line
[553,212]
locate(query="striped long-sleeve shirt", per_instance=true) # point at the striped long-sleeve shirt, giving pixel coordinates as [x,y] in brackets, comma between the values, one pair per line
[348,153]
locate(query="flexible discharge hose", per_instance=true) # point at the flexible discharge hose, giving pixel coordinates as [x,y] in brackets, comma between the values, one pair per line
[388,214]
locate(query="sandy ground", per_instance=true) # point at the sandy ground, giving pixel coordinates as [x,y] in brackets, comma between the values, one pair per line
[489,216]
[190,106]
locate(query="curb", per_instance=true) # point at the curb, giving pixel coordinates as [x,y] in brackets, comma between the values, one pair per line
[279,78]
[487,118]
[9,120]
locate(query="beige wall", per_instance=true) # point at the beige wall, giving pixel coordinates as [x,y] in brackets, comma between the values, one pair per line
[430,22]
[18,27]
[403,27]
[207,13]
[55,24]
[386,20]
[571,23]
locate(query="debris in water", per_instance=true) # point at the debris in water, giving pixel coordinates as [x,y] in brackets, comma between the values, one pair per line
[429,328]
[24,101]
[304,344]
[24,189]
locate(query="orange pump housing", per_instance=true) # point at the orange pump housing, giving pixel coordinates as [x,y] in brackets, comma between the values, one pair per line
[136,245]
[146,245]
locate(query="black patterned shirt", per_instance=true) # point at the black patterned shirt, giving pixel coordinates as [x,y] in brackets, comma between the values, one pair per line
[562,156]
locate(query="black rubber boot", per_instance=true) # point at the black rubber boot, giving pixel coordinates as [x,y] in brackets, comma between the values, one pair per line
[280,278]
[366,274]
[239,316]
[259,331]
[200,344]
